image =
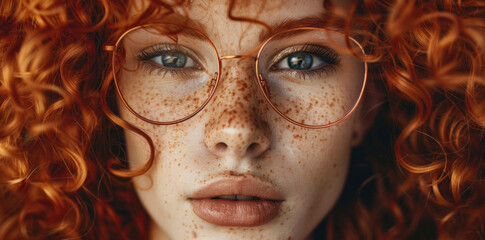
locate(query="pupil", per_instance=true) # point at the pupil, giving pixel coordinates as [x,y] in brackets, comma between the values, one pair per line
[174,60]
[300,61]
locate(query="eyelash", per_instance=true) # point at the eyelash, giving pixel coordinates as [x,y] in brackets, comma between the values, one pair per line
[147,54]
[327,55]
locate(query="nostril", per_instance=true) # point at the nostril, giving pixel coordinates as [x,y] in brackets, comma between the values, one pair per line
[252,147]
[221,147]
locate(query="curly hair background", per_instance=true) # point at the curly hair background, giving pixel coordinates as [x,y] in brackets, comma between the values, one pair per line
[431,56]
[418,175]
[53,144]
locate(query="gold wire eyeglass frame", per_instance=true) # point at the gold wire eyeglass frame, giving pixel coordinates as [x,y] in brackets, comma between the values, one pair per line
[216,79]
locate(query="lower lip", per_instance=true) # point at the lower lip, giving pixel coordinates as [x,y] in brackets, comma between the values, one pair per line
[247,213]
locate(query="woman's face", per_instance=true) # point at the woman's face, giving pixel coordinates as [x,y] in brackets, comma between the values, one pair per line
[287,178]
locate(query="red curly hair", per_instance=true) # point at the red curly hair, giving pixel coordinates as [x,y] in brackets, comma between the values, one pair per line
[419,173]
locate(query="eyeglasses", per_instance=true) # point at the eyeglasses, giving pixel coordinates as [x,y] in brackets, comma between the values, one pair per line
[310,76]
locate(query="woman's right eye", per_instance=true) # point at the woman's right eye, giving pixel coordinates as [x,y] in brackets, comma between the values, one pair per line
[175,59]
[170,57]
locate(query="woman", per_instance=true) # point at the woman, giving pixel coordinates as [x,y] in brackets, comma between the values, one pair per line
[224,119]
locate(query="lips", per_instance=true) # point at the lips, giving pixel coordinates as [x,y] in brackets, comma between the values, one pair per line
[244,201]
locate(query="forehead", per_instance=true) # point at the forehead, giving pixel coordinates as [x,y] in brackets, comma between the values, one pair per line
[232,25]
[235,23]
[204,14]
[227,13]
[256,9]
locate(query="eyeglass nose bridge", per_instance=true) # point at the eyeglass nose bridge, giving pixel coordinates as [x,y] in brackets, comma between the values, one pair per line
[235,56]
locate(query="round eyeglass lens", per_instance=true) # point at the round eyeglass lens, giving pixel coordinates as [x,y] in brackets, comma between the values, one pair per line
[311,76]
[165,74]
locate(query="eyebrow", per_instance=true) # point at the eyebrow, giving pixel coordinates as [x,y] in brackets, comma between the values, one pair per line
[188,26]
[322,20]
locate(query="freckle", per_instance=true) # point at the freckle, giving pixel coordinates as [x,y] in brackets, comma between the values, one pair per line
[194,234]
[334,165]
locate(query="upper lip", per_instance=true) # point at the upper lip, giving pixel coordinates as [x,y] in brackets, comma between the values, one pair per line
[245,185]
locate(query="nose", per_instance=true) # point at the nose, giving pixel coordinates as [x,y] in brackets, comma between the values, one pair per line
[236,127]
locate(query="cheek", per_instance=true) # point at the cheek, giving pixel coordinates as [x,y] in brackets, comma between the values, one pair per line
[159,188]
[314,149]
[170,148]
[313,168]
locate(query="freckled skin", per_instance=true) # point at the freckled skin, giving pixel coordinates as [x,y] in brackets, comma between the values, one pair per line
[239,133]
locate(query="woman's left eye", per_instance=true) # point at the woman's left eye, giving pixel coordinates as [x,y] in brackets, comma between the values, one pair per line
[305,58]
[174,60]
[299,61]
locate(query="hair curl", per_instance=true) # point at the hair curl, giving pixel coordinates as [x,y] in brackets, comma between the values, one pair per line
[418,175]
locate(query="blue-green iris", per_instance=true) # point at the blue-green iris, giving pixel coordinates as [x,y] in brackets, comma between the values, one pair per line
[300,61]
[174,60]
